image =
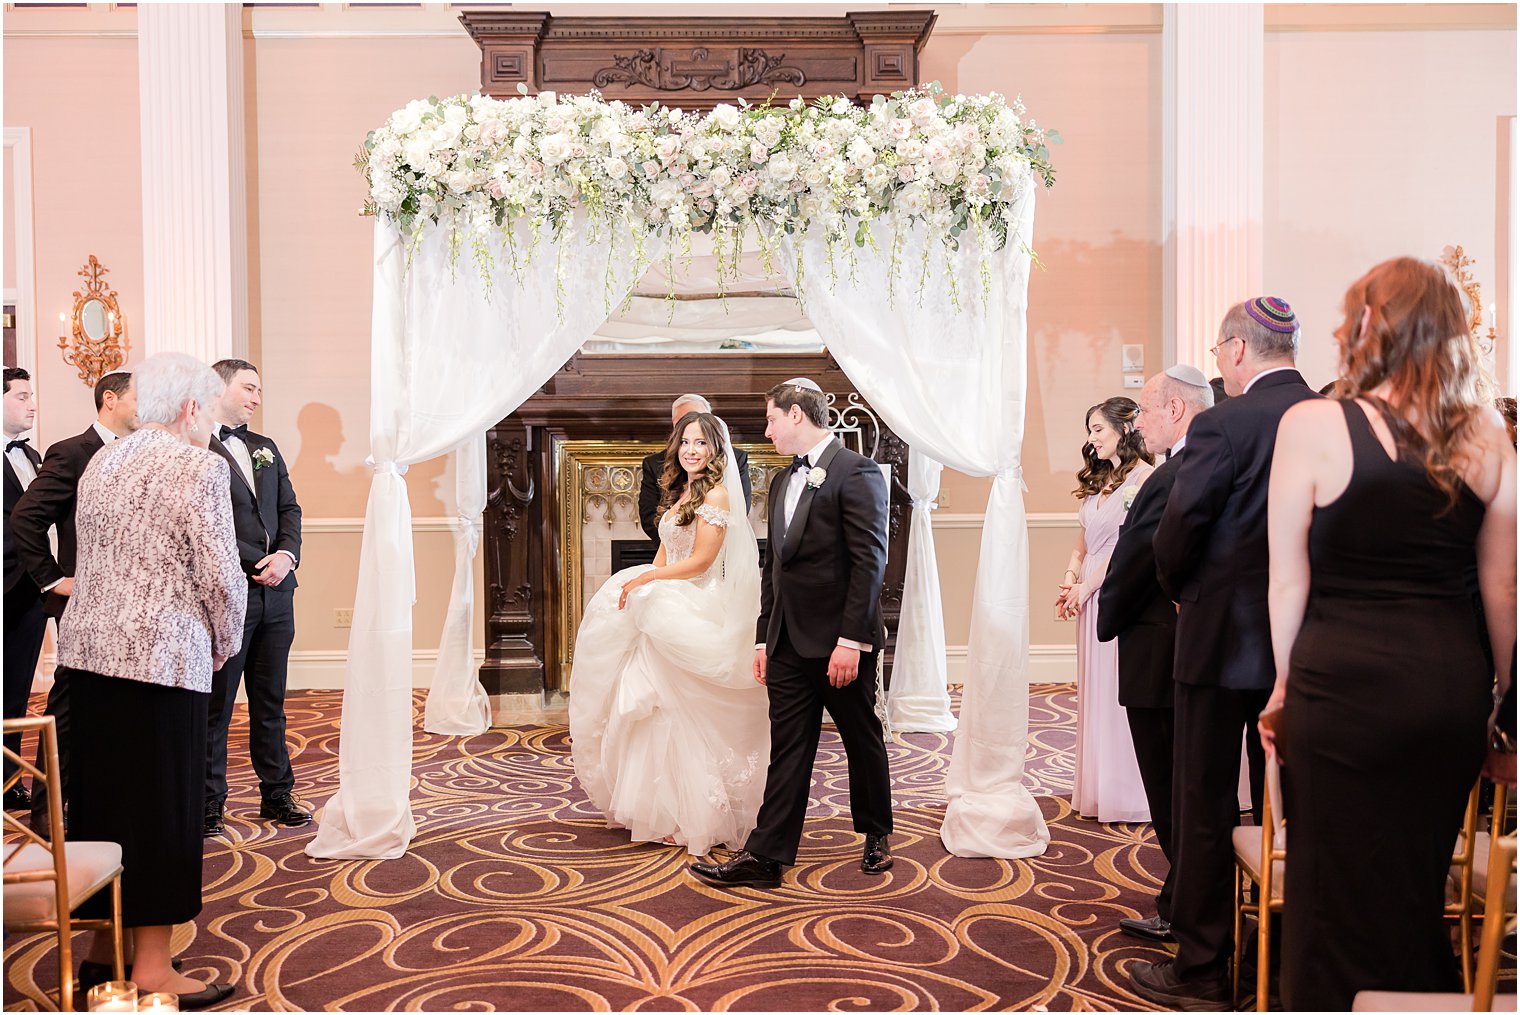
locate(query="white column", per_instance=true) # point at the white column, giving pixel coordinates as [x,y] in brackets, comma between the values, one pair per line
[1213,70]
[195,209]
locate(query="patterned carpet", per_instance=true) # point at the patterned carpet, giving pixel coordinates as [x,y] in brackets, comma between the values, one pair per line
[515,897]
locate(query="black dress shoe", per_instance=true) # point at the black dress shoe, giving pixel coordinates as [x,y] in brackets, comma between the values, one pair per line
[876,858]
[742,869]
[282,808]
[1153,929]
[18,799]
[1158,982]
[212,824]
[214,993]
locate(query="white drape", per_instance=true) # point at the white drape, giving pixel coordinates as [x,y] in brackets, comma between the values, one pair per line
[952,383]
[447,362]
[456,703]
[920,698]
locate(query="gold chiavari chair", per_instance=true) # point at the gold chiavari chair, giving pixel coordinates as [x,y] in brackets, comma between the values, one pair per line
[1260,854]
[45,881]
[1460,904]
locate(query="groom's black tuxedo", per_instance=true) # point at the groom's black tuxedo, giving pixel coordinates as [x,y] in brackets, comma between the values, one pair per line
[822,582]
[267,519]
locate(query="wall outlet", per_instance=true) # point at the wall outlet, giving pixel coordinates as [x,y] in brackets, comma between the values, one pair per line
[1132,381]
[343,618]
[943,500]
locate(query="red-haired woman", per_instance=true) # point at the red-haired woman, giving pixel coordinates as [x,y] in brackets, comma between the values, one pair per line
[1382,503]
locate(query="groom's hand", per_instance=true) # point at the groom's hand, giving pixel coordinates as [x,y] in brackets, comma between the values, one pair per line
[844,666]
[759,668]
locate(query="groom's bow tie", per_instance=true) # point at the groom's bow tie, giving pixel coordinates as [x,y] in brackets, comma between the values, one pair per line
[19,442]
[240,432]
[801,462]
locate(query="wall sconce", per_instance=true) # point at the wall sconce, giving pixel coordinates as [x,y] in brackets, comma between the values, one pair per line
[97,343]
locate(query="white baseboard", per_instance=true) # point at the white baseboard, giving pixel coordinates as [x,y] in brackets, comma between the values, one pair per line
[1048,664]
[322,669]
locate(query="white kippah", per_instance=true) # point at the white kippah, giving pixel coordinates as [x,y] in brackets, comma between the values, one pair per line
[803,382]
[1187,375]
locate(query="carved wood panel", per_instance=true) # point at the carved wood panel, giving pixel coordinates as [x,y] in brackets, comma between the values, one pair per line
[623,398]
[696,63]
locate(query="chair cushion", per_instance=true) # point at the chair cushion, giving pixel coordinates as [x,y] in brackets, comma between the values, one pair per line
[1389,1000]
[89,864]
[1247,840]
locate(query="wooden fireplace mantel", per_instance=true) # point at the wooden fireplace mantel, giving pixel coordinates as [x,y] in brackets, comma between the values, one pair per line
[695,62]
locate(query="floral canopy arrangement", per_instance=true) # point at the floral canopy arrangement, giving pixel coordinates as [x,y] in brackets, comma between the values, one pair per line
[483,167]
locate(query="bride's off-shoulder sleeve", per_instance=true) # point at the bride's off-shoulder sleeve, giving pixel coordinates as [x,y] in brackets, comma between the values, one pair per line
[712,515]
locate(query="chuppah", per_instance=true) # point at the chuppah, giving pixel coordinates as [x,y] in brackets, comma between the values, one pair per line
[507,230]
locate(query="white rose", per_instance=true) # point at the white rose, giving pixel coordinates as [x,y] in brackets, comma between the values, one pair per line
[554,149]
[816,174]
[900,128]
[667,147]
[938,152]
[906,172]
[876,176]
[911,150]
[554,123]
[664,193]
[749,183]
[721,177]
[946,172]
[725,117]
[418,150]
[968,134]
[782,168]
[979,185]
[823,150]
[548,98]
[922,110]
[861,153]
[796,105]
[615,168]
[913,199]
[758,152]
[651,168]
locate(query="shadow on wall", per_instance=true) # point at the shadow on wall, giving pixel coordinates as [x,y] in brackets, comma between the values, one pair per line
[1083,307]
[327,490]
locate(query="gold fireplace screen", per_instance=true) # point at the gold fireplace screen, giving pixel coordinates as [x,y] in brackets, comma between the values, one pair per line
[602,477]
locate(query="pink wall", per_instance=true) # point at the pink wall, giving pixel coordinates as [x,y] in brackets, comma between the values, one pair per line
[9,250]
[87,193]
[1379,144]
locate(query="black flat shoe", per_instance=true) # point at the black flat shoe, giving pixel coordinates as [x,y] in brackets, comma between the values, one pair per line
[18,799]
[93,974]
[876,858]
[1153,929]
[212,823]
[215,993]
[283,809]
[743,870]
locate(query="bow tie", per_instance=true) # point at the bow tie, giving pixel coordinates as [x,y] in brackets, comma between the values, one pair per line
[19,442]
[801,462]
[240,432]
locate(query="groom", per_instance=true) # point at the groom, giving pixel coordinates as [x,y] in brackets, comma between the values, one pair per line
[820,633]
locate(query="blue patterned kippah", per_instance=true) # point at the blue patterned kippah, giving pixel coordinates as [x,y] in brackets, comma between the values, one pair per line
[1273,314]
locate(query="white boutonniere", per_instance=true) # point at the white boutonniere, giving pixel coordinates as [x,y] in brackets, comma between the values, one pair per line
[815,477]
[1129,496]
[263,457]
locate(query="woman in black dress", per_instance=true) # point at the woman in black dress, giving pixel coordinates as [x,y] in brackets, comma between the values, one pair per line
[1382,502]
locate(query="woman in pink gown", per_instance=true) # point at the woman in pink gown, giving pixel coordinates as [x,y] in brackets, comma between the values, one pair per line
[1106,784]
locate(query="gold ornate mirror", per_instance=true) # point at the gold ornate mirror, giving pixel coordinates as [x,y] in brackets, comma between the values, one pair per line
[97,343]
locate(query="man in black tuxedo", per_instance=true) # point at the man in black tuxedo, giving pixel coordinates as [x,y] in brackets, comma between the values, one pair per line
[654,465]
[25,621]
[49,503]
[1211,557]
[268,523]
[1134,609]
[820,635]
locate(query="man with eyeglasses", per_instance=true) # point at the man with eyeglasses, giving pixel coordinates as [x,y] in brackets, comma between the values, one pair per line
[1211,558]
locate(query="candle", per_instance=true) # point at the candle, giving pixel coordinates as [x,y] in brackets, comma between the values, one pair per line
[63,318]
[1493,316]
[158,1002]
[113,995]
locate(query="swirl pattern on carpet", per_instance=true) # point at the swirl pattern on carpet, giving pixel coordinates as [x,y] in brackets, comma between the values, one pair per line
[516,896]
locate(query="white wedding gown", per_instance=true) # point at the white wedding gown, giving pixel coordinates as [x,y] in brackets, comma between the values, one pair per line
[669,731]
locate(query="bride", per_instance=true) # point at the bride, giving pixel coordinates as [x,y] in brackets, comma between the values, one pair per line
[668,729]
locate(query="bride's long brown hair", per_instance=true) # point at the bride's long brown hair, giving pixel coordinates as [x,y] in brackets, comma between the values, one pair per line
[1098,476]
[674,481]
[1405,328]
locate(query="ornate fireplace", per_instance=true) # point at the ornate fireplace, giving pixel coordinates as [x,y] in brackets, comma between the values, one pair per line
[567,461]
